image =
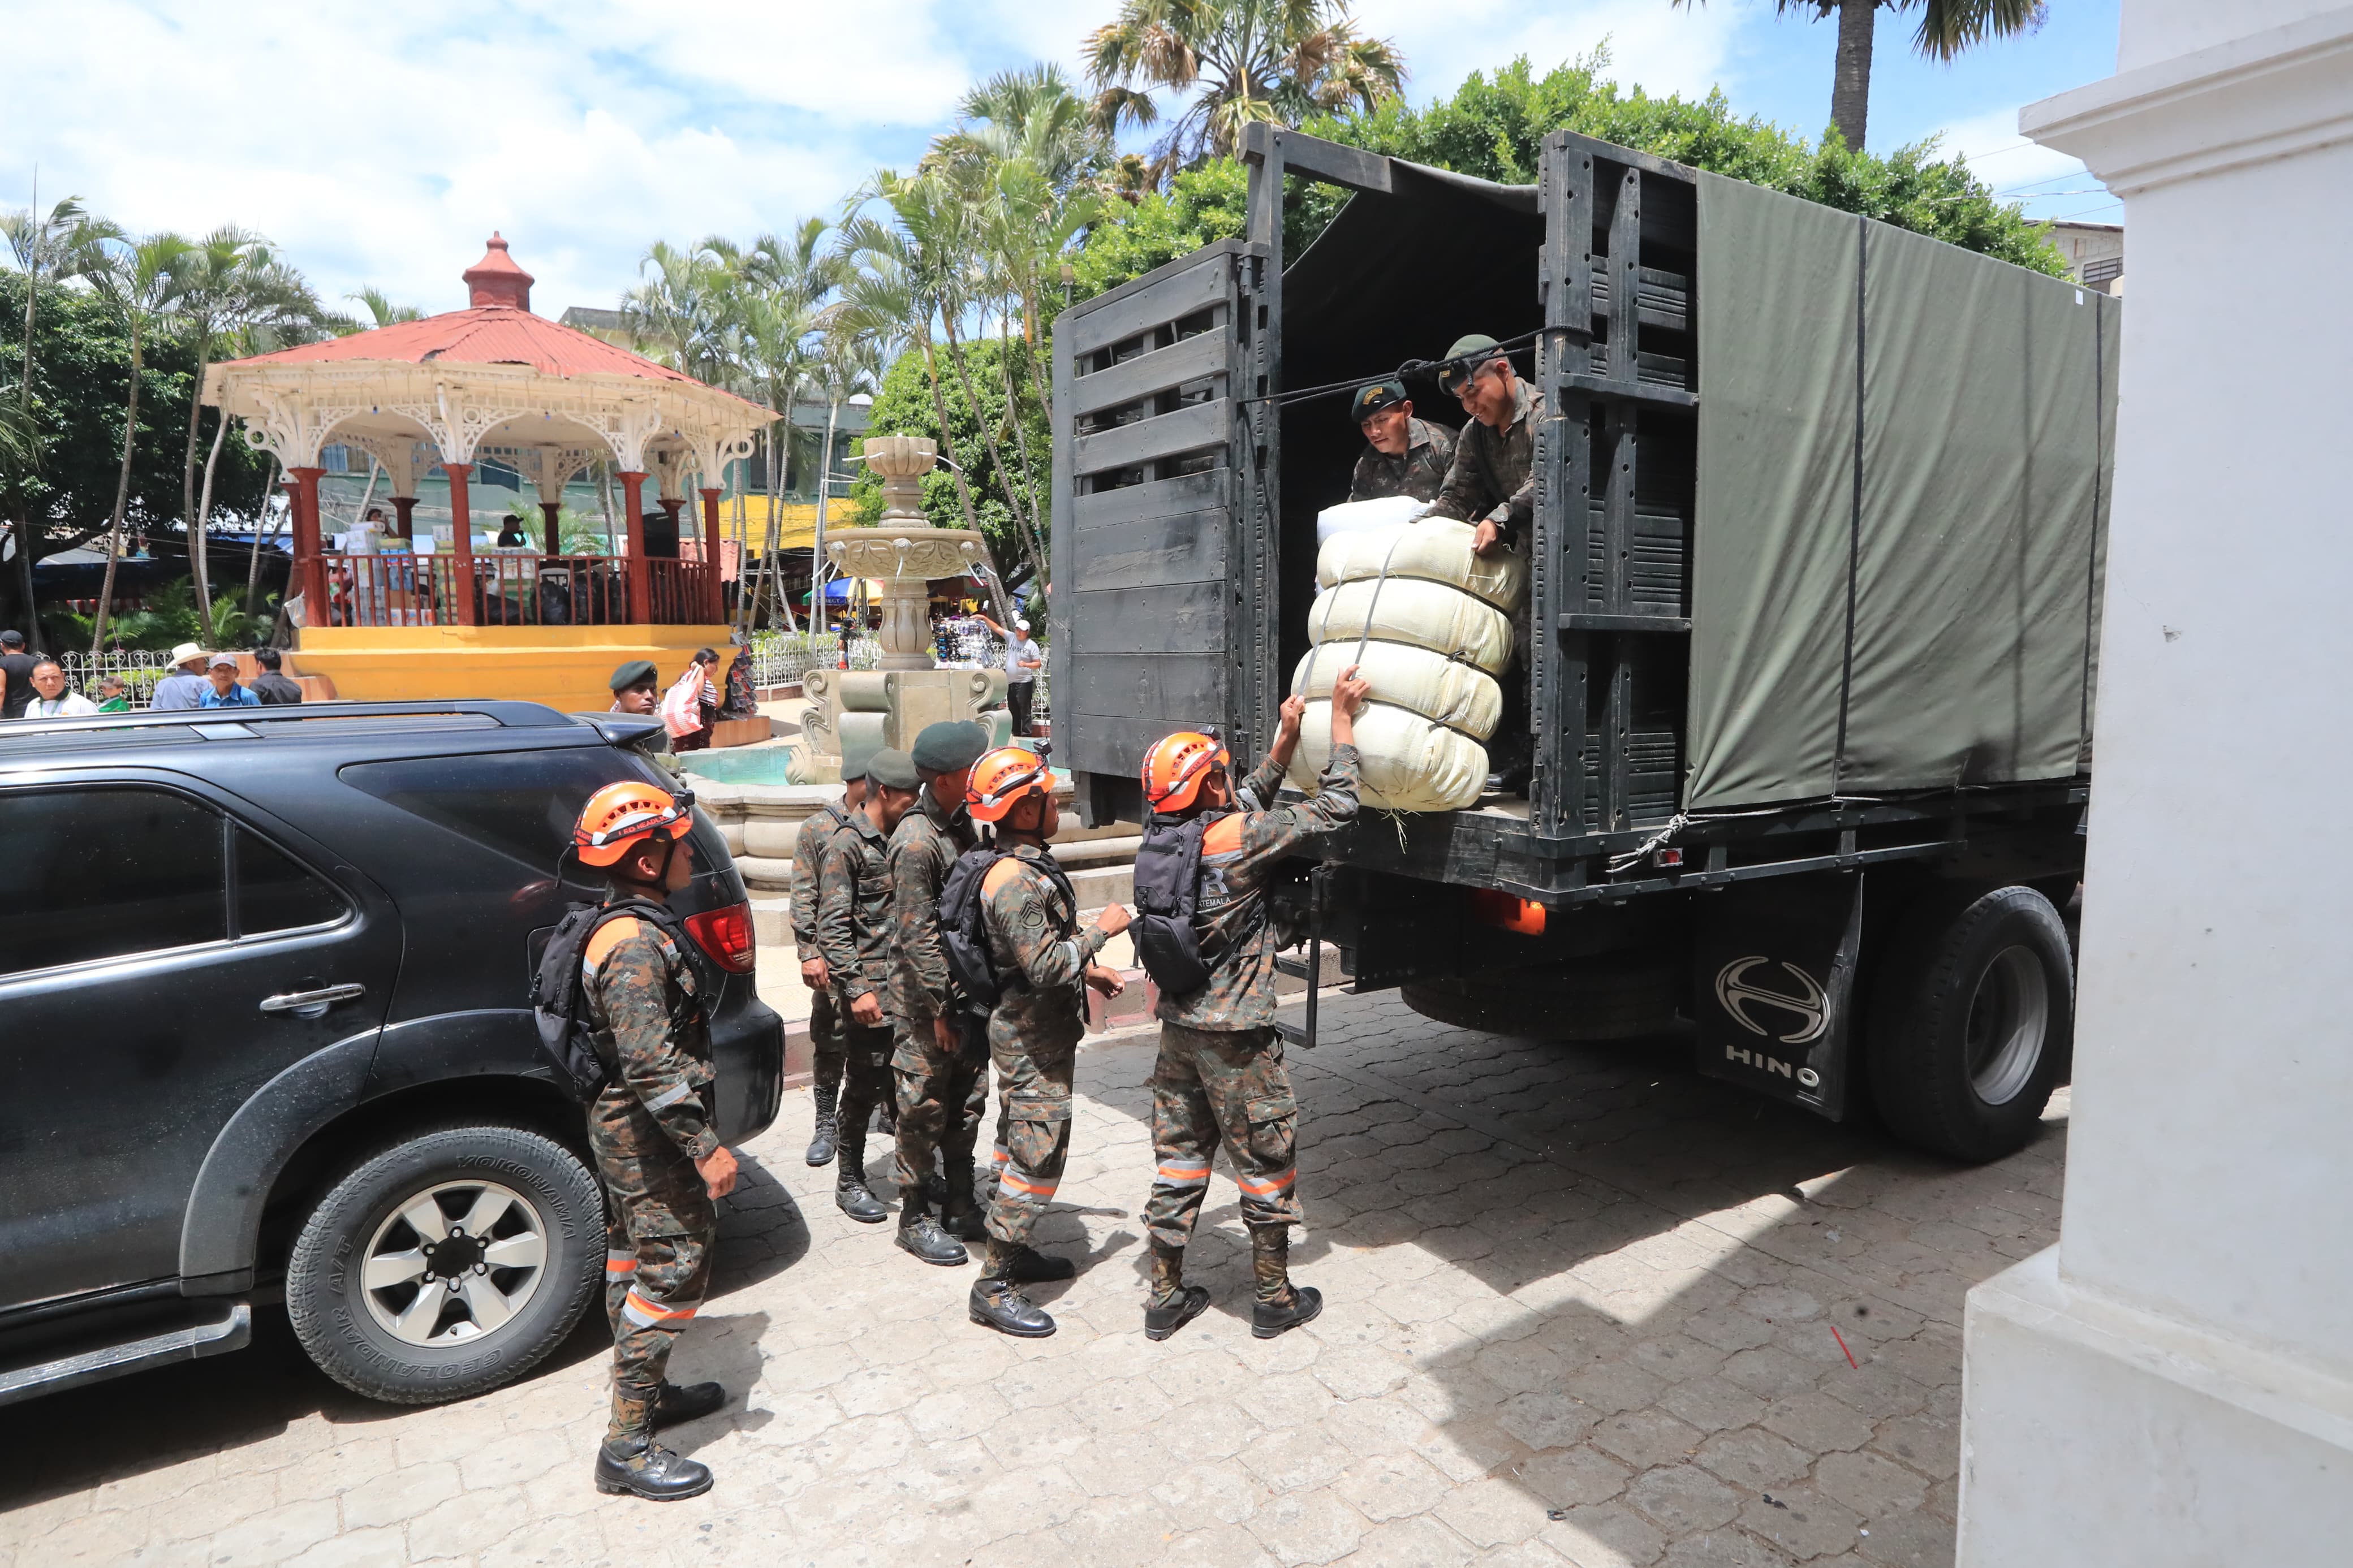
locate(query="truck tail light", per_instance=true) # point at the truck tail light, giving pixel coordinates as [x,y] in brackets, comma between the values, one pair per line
[726,935]
[1490,907]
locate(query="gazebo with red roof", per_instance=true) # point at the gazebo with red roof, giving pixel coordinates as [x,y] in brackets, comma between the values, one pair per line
[492,381]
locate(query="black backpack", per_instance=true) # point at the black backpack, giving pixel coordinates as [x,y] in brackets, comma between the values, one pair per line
[564,1040]
[1168,899]
[965,939]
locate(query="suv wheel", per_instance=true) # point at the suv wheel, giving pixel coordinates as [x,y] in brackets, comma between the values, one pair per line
[1972,1021]
[448,1263]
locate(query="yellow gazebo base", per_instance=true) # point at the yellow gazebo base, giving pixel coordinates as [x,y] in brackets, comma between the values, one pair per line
[570,669]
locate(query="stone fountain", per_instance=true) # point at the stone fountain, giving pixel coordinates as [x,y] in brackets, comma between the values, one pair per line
[862,710]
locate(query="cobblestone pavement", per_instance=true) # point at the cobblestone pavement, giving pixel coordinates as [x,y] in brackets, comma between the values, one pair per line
[1584,1307]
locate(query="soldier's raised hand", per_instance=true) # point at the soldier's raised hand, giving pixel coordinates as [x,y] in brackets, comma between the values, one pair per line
[1112,918]
[1348,692]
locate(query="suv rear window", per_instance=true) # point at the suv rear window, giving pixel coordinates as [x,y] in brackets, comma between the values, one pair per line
[521,803]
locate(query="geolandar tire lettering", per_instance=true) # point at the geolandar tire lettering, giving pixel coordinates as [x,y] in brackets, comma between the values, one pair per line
[1972,1020]
[447,1263]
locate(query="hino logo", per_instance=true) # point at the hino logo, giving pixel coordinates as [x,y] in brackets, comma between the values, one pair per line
[1809,1006]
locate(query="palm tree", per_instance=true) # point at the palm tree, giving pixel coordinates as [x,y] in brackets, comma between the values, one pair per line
[228,280]
[1947,27]
[142,281]
[65,242]
[849,364]
[1279,61]
[382,312]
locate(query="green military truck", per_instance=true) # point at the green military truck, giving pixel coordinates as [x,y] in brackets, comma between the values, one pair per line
[1814,584]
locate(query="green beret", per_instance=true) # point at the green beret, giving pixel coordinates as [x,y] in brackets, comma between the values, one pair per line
[892,769]
[637,672]
[1373,396]
[1477,348]
[943,748]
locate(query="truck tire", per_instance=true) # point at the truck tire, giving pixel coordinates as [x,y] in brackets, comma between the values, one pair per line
[1972,1021]
[391,1310]
[1620,1003]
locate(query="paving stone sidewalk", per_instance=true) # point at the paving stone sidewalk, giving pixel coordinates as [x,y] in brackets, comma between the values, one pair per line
[1585,1307]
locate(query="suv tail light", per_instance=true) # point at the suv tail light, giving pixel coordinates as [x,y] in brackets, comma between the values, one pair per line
[726,935]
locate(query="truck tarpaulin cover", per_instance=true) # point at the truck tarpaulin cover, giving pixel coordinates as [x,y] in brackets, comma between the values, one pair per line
[1903,486]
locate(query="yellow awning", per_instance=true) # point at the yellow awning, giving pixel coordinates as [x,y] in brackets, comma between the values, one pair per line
[797,519]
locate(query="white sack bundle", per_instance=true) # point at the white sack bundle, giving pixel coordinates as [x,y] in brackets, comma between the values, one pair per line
[1417,611]
[1437,549]
[1355,516]
[1444,690]
[1409,764]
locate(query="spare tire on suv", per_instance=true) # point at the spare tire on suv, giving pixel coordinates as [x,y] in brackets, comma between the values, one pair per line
[447,1263]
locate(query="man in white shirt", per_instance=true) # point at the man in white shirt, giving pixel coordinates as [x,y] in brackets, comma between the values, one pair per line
[1023,659]
[51,697]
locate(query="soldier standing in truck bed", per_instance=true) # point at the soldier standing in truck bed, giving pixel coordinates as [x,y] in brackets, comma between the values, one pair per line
[853,933]
[941,1076]
[1491,486]
[1403,456]
[1219,1078]
[824,1017]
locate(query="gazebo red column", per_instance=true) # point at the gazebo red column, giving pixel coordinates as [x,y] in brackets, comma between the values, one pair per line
[402,506]
[308,569]
[461,541]
[717,597]
[633,481]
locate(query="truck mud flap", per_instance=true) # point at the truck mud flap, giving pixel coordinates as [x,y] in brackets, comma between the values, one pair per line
[1773,987]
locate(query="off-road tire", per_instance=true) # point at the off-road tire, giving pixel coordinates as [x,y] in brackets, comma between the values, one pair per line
[1600,1000]
[1945,961]
[324,1280]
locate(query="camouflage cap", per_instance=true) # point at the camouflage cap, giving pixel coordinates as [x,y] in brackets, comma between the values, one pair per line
[943,748]
[1373,396]
[893,769]
[1470,352]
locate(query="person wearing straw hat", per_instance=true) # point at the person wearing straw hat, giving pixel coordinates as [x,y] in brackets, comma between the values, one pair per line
[186,686]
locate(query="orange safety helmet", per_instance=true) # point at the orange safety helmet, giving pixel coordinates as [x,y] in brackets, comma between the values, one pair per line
[1002,779]
[621,814]
[1175,765]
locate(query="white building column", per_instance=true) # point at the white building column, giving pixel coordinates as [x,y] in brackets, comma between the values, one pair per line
[2173,1385]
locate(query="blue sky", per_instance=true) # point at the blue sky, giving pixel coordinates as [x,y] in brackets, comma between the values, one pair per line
[381,143]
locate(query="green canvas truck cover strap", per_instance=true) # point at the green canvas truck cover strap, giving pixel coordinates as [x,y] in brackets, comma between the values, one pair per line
[1901,509]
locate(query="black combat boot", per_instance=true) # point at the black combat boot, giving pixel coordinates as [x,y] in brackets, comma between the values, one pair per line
[822,1142]
[1024,1265]
[1159,1322]
[1000,1305]
[850,1183]
[1268,1318]
[920,1234]
[643,1467]
[960,1215]
[679,1403]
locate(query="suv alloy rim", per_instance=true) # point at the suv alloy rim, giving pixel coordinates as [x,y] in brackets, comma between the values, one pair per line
[2009,1018]
[454,1262]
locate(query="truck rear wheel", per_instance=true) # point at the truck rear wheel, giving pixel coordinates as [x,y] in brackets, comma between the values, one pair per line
[447,1263]
[1972,1021]
[1611,1000]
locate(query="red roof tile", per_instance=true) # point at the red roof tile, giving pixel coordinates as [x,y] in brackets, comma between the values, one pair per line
[488,334]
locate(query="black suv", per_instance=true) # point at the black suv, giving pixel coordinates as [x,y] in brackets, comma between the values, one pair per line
[264,1026]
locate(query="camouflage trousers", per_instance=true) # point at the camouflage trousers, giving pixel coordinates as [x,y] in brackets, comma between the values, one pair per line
[826,1043]
[942,1094]
[660,1225]
[865,1076]
[1033,1137]
[1213,1087]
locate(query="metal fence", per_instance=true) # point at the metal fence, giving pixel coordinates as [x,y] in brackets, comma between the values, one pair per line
[140,668]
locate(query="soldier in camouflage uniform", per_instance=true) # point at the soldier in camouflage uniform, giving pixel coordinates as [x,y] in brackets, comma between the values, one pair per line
[650,1128]
[1043,963]
[1219,1078]
[826,1038]
[853,933]
[1492,486]
[1403,456]
[940,1076]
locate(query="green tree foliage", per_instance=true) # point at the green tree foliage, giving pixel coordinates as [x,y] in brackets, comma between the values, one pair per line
[81,364]
[1493,126]
[904,408]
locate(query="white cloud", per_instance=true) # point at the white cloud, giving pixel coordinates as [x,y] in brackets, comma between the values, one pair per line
[2049,182]
[1665,49]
